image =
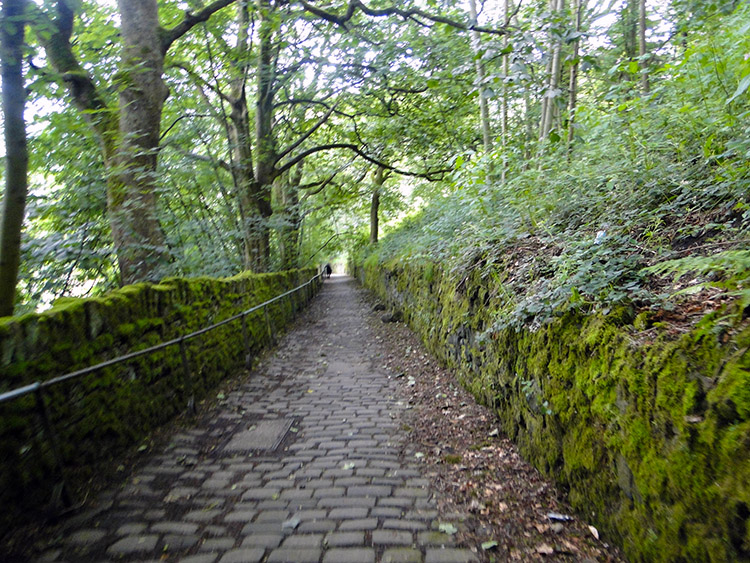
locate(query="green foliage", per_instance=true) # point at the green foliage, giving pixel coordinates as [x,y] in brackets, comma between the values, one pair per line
[643,435]
[651,180]
[66,246]
[728,262]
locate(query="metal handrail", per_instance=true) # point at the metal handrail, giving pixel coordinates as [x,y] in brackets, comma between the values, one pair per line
[37,388]
[27,389]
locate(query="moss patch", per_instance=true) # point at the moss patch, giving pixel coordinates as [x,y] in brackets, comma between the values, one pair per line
[98,415]
[652,441]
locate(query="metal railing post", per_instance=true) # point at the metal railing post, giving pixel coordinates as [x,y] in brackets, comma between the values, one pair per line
[187,375]
[61,495]
[246,342]
[268,325]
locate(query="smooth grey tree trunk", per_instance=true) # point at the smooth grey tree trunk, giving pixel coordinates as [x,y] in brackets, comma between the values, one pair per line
[548,114]
[573,86]
[141,247]
[504,118]
[484,110]
[12,27]
[642,49]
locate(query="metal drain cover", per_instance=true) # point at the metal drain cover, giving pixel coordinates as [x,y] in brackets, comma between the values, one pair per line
[263,435]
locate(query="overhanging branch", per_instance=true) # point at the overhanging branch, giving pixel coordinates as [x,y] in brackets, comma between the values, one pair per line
[54,36]
[169,36]
[432,175]
[306,135]
[411,13]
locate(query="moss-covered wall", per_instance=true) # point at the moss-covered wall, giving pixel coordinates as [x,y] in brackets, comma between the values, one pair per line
[98,415]
[648,431]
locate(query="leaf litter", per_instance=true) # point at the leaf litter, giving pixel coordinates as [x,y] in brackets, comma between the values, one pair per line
[512,512]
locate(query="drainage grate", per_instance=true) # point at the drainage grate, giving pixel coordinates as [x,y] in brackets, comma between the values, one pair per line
[262,435]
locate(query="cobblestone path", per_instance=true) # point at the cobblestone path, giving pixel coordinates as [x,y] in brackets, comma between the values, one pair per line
[333,490]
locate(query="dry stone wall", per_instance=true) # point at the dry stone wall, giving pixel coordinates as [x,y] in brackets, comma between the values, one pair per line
[97,416]
[647,430]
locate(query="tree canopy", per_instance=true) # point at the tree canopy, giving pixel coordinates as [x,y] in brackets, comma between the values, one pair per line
[210,137]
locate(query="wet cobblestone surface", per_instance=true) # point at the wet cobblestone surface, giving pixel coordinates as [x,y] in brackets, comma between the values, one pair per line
[336,489]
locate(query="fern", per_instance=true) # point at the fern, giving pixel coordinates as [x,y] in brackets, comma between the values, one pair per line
[732,265]
[735,263]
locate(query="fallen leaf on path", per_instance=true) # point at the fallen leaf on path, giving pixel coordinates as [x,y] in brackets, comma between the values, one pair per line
[290,524]
[447,528]
[559,517]
[545,549]
[489,545]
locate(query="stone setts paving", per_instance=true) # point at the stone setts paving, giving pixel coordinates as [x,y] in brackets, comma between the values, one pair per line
[334,490]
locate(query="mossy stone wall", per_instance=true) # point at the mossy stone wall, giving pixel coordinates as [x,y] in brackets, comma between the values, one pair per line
[98,415]
[649,432]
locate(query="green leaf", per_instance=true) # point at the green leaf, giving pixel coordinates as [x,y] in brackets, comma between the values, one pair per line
[489,545]
[447,528]
[741,88]
[633,67]
[433,83]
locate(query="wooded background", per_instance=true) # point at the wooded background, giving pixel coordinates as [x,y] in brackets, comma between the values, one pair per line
[189,138]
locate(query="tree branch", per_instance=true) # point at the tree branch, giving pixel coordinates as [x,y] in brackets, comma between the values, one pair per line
[54,36]
[306,135]
[198,80]
[432,175]
[169,36]
[410,13]
[180,118]
[321,184]
[200,157]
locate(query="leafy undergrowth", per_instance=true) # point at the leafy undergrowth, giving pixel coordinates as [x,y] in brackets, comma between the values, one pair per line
[514,514]
[655,254]
[650,208]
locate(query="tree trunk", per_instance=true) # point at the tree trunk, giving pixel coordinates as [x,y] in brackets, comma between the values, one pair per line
[128,135]
[139,239]
[553,83]
[289,233]
[504,120]
[377,186]
[573,87]
[239,133]
[265,148]
[630,26]
[529,127]
[643,64]
[484,111]
[16,158]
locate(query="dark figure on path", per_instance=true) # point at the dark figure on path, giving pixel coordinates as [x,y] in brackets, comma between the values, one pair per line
[328,270]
